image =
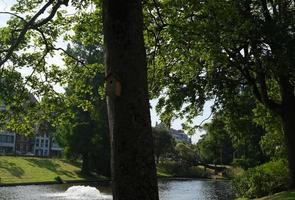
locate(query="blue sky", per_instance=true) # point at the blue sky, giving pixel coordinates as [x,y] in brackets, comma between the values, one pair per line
[176,124]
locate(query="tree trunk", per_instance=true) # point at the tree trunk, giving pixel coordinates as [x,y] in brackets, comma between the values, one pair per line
[85,166]
[221,158]
[133,164]
[287,113]
[288,122]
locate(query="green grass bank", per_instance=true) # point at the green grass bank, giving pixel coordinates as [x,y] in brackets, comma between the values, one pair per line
[33,170]
[289,195]
[22,170]
[171,169]
[280,196]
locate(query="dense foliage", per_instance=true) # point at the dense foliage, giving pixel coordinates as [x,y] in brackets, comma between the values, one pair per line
[266,179]
[85,132]
[233,136]
[215,49]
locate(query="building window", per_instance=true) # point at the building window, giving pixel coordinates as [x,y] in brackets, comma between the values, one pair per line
[42,142]
[10,139]
[45,153]
[46,143]
[37,142]
[21,147]
[7,138]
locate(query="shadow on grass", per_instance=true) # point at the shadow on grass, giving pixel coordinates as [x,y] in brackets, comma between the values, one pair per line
[92,176]
[73,162]
[51,166]
[11,168]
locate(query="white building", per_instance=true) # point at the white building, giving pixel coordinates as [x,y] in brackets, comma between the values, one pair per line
[178,135]
[42,145]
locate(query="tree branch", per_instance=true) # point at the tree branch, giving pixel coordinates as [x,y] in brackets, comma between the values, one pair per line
[261,92]
[265,11]
[32,25]
[158,12]
[266,100]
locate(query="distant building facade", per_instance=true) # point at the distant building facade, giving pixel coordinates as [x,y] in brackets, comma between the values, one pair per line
[7,142]
[40,144]
[24,145]
[178,135]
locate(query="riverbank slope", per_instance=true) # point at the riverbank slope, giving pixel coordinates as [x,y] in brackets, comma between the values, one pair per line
[288,195]
[22,170]
[171,169]
[16,170]
[280,196]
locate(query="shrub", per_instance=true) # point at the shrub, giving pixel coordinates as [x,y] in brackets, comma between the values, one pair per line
[233,172]
[243,163]
[178,170]
[58,179]
[169,166]
[262,180]
[195,172]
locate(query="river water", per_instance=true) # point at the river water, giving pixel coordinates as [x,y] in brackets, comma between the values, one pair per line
[168,190]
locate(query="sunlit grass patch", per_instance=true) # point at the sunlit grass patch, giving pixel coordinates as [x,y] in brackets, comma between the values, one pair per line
[30,169]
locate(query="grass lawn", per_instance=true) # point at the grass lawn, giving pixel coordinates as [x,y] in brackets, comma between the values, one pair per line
[163,173]
[30,169]
[280,196]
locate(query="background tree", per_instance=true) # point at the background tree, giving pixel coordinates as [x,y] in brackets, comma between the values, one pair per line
[214,49]
[187,154]
[86,130]
[244,132]
[233,134]
[272,143]
[163,143]
[215,147]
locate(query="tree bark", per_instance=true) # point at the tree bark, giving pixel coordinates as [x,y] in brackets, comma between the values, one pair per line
[133,164]
[85,166]
[288,122]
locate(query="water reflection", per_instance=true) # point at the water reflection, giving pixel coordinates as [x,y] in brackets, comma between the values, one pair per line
[168,190]
[195,190]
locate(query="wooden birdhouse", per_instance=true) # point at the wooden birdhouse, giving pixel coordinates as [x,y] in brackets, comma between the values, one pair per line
[113,86]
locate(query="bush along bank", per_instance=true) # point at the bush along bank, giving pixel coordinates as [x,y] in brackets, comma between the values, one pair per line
[173,169]
[263,180]
[178,170]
